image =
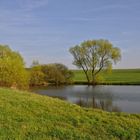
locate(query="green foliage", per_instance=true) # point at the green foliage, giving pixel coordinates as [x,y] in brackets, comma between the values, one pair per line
[12,71]
[93,56]
[99,79]
[57,73]
[65,72]
[37,77]
[28,116]
[50,73]
[53,75]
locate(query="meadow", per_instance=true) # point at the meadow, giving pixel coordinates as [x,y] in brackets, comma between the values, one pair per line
[28,116]
[117,76]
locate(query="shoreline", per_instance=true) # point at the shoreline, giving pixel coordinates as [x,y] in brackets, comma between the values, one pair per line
[85,83]
[119,83]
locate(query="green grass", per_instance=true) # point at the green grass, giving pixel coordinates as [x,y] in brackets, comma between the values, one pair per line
[120,76]
[27,116]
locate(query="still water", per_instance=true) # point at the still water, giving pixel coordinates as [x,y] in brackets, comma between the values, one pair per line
[109,98]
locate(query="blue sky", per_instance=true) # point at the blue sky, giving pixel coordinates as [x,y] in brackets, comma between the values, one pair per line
[44,30]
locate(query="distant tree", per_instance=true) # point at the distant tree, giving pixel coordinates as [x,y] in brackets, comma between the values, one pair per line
[37,77]
[35,63]
[57,73]
[65,72]
[53,75]
[12,69]
[93,56]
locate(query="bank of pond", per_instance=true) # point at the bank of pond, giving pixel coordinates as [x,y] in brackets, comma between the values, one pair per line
[29,116]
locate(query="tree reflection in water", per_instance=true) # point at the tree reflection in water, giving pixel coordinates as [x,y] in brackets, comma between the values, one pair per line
[106,105]
[109,98]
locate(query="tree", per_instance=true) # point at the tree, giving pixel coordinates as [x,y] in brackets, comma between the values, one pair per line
[93,56]
[37,77]
[57,73]
[12,71]
[67,74]
[35,63]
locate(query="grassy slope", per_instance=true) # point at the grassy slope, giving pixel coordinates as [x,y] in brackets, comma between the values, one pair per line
[29,116]
[124,76]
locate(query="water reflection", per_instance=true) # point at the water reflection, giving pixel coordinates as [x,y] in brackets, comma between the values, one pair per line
[101,104]
[109,98]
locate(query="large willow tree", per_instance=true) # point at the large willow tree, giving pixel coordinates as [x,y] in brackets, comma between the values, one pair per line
[93,56]
[12,70]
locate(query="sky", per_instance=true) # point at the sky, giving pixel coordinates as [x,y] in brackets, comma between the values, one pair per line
[44,30]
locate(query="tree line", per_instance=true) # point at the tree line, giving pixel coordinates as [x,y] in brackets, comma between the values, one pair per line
[92,56]
[56,74]
[14,74]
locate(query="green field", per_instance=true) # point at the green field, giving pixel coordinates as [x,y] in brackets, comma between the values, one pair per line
[28,116]
[120,76]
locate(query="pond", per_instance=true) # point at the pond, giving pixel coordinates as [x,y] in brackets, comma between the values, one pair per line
[109,98]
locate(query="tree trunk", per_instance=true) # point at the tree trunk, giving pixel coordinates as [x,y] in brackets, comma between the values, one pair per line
[93,77]
[93,80]
[87,78]
[86,73]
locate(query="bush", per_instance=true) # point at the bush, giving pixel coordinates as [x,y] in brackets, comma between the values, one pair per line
[12,71]
[57,73]
[37,77]
[51,73]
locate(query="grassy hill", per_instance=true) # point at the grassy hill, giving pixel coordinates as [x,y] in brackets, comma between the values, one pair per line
[28,116]
[118,76]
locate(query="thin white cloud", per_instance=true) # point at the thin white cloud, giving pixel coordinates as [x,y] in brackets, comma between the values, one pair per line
[29,5]
[106,7]
[77,19]
[84,19]
[121,40]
